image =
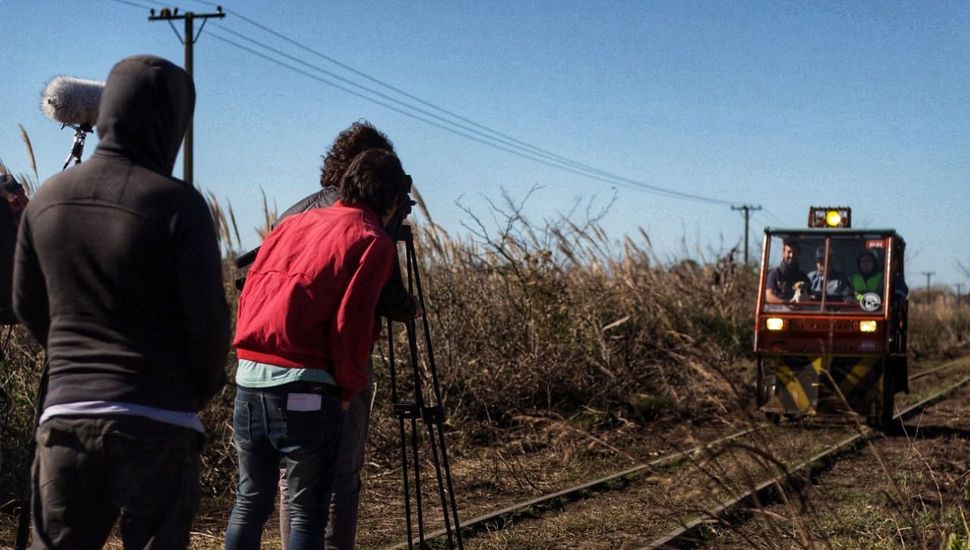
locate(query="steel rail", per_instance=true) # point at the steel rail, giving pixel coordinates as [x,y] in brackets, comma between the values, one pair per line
[949,365]
[501,518]
[691,533]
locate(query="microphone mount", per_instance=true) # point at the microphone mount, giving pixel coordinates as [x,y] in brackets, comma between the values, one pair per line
[81,132]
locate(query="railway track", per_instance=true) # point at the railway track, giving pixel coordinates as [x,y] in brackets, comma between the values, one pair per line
[926,372]
[501,518]
[689,529]
[692,533]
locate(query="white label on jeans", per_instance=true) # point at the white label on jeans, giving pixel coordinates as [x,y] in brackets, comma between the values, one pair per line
[303,401]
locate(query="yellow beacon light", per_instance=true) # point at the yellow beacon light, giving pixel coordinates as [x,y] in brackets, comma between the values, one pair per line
[868,326]
[830,217]
[833,218]
[774,323]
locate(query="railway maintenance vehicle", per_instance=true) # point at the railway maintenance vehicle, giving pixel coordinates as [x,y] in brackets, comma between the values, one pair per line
[831,320]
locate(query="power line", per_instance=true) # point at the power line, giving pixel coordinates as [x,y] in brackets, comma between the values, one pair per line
[416,117]
[772,217]
[452,114]
[394,88]
[469,130]
[495,143]
[381,95]
[140,5]
[506,141]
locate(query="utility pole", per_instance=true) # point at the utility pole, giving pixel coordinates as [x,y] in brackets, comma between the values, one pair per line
[747,208]
[189,40]
[959,292]
[928,275]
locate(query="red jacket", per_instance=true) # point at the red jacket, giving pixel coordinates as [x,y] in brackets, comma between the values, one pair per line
[310,296]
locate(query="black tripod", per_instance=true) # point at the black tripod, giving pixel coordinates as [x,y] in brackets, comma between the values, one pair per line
[426,409]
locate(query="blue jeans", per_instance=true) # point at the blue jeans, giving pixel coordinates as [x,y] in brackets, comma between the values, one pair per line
[273,424]
[342,520]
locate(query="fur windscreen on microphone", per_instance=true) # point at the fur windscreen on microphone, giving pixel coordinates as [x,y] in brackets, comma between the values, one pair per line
[72,101]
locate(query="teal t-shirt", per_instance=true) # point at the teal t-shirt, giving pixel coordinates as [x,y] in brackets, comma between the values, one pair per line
[250,374]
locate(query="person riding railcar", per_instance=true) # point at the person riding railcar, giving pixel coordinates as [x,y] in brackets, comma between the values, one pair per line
[782,280]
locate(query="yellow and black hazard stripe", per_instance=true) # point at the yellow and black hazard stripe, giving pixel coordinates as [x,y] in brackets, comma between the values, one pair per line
[808,385]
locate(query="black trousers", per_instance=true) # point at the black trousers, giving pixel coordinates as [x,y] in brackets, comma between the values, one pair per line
[88,471]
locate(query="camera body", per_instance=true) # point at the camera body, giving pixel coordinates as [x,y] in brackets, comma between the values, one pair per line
[395,226]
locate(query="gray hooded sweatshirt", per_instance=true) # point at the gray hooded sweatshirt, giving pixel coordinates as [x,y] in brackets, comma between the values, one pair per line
[117,270]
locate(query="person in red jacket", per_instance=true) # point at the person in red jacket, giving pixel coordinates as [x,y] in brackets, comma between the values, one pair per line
[308,305]
[395,303]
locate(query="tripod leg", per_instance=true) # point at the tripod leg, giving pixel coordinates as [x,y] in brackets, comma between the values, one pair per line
[441,482]
[417,481]
[405,470]
[403,437]
[432,416]
[415,277]
[451,487]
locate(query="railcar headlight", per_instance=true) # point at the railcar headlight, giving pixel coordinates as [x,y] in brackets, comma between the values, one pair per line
[774,323]
[868,326]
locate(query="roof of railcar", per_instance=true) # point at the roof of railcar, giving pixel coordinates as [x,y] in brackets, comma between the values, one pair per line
[836,231]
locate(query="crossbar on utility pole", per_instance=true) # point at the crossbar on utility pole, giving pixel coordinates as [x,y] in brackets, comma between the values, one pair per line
[189,40]
[747,208]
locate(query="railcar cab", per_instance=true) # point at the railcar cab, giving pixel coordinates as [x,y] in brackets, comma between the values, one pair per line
[830,324]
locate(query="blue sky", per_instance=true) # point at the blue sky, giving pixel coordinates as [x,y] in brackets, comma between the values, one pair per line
[781,104]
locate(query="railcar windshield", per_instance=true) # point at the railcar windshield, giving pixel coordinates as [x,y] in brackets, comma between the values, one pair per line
[830,273]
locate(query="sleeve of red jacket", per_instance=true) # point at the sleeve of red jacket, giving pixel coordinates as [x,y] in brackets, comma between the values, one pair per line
[351,333]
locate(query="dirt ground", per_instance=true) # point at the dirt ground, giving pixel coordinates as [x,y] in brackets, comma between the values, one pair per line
[906,491]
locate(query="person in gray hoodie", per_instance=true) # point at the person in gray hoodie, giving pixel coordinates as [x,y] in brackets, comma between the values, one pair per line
[118,275]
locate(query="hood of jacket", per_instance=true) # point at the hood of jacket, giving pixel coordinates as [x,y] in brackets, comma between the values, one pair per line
[145,109]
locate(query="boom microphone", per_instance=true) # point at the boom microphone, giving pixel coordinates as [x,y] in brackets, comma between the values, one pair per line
[72,101]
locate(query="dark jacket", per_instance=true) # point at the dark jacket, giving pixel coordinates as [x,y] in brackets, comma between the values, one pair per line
[118,272]
[8,242]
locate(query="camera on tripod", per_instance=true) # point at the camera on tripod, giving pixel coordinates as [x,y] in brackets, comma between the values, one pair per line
[395,225]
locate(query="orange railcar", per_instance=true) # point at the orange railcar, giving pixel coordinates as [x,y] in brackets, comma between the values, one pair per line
[830,331]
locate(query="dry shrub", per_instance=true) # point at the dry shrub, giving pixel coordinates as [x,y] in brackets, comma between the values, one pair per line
[939,325]
[20,367]
[554,319]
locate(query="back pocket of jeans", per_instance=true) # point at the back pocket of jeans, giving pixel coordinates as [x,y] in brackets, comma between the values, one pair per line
[308,427]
